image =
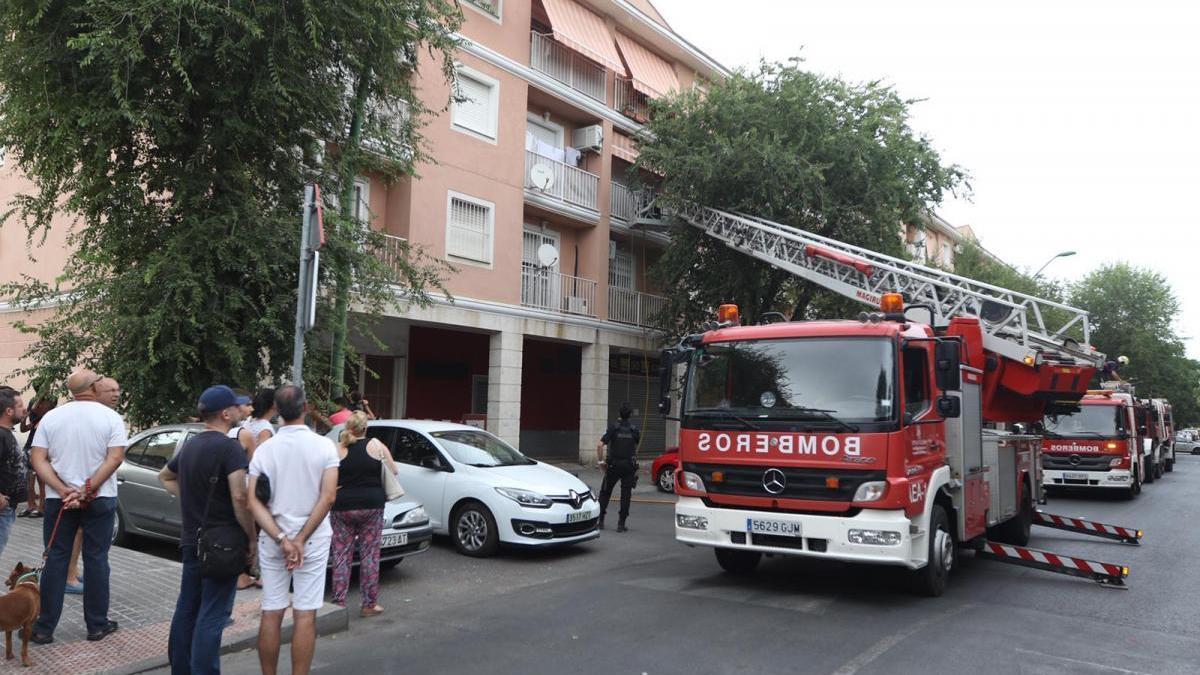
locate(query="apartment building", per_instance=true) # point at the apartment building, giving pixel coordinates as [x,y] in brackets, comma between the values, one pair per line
[529,197]
[935,241]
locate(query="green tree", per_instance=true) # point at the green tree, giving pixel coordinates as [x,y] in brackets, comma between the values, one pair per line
[177,134]
[1133,313]
[792,146]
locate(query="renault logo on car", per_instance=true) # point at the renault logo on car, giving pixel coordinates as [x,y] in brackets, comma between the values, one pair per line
[774,481]
[576,499]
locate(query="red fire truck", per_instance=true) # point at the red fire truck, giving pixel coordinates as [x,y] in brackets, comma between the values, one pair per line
[1098,445]
[1160,434]
[881,439]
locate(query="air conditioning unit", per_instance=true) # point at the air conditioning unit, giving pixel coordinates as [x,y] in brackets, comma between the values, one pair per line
[588,138]
[577,305]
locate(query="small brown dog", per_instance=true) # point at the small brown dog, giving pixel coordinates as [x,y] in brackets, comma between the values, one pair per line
[19,609]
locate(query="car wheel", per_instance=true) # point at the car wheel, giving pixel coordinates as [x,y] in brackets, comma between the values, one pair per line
[931,579]
[666,479]
[120,537]
[474,530]
[737,561]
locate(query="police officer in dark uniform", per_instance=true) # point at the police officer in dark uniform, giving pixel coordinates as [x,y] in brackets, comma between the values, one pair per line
[616,454]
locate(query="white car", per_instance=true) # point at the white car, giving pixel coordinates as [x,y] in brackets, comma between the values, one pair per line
[482,492]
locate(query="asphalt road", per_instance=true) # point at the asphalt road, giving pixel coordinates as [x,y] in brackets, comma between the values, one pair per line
[640,603]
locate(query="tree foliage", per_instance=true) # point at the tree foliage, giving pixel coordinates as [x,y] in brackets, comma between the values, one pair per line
[177,135]
[781,143]
[1133,313]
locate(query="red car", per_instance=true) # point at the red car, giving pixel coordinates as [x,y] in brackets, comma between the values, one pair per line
[663,469]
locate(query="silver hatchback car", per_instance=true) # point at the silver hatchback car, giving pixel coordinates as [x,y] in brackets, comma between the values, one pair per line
[146,509]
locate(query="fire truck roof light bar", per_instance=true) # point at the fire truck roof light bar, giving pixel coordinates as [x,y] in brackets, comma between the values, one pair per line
[1108,575]
[1126,535]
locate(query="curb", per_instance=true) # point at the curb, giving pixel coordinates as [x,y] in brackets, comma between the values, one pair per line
[330,619]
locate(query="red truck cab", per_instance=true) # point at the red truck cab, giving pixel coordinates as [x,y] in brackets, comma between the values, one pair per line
[1097,446]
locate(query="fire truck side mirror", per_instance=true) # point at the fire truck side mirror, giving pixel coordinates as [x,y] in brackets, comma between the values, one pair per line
[949,406]
[946,363]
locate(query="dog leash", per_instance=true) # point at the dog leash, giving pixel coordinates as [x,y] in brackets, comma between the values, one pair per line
[53,533]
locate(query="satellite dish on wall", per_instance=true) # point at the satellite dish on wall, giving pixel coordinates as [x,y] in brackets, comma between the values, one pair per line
[547,255]
[542,176]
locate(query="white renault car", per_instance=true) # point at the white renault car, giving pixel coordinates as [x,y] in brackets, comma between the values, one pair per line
[483,492]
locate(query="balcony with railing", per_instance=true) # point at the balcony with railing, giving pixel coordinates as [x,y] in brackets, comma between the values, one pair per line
[551,179]
[567,66]
[551,291]
[623,203]
[634,307]
[630,102]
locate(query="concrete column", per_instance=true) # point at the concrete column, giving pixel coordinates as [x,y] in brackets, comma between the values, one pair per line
[504,386]
[593,400]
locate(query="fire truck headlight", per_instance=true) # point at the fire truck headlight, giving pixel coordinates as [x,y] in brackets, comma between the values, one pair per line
[870,492]
[1115,462]
[691,481]
[691,522]
[874,537]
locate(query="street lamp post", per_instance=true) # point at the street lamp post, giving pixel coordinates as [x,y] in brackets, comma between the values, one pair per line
[1056,256]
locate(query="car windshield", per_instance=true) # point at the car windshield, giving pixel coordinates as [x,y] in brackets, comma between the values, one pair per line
[817,380]
[476,448]
[1094,421]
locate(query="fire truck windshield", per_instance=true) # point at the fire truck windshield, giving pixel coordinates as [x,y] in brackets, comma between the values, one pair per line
[815,382]
[1090,421]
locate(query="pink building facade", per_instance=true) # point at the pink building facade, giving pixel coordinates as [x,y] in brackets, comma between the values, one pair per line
[529,198]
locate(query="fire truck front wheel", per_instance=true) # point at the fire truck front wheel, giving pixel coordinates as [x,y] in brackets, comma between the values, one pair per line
[931,579]
[737,561]
[1135,486]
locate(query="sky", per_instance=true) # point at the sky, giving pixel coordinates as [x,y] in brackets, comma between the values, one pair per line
[1076,120]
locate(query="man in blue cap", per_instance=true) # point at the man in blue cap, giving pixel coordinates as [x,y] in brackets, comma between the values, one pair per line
[208,475]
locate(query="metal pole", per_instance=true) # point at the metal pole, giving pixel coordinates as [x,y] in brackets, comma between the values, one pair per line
[302,296]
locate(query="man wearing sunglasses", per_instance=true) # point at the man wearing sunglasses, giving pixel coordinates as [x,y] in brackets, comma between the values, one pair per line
[76,451]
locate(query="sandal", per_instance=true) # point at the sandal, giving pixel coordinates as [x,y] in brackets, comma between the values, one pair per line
[371,611]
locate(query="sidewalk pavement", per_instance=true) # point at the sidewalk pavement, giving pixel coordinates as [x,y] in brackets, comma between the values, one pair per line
[143,592]
[646,491]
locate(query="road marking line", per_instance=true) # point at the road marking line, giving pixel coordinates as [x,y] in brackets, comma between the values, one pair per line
[1093,664]
[880,648]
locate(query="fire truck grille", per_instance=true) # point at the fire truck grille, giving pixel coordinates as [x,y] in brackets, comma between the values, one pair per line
[812,484]
[1076,462]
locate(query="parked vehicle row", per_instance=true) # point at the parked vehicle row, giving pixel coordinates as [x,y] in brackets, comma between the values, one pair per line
[459,480]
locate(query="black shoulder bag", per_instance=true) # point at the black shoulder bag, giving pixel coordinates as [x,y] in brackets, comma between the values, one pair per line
[221,549]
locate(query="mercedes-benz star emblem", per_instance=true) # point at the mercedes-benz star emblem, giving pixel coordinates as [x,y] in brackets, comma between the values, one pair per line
[1074,460]
[774,481]
[576,499]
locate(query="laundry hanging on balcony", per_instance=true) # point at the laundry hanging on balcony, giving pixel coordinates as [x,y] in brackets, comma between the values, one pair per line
[584,31]
[651,74]
[568,156]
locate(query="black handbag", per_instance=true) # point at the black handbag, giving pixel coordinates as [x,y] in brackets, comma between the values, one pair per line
[221,549]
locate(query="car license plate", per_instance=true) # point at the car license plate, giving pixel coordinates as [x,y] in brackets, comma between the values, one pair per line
[390,540]
[580,516]
[1075,476]
[782,528]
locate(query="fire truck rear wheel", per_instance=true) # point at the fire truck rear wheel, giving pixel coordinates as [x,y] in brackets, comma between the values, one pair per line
[1159,468]
[1017,529]
[931,579]
[737,561]
[1170,465]
[1151,472]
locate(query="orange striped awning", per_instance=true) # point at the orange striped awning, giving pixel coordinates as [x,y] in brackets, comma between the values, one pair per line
[584,31]
[652,75]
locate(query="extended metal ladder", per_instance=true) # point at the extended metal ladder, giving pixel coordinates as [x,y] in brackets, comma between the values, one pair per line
[1015,325]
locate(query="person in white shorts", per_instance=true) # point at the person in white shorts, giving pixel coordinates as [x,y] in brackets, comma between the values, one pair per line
[293,544]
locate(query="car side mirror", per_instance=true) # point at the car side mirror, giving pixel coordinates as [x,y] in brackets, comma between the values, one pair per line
[949,407]
[947,361]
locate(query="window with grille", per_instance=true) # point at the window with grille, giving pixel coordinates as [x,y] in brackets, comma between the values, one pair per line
[475,111]
[469,229]
[620,271]
[360,209]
